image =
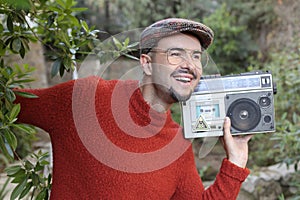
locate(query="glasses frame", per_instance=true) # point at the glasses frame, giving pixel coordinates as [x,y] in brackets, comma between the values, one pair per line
[204,56]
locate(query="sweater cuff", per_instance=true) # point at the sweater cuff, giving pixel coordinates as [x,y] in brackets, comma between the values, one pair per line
[234,171]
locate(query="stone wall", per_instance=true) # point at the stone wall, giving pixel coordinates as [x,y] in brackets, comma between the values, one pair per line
[267,183]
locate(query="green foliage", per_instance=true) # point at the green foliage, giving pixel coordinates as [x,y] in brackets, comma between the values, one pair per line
[254,14]
[67,40]
[29,177]
[9,79]
[284,145]
[149,11]
[54,24]
[3,191]
[155,9]
[114,48]
[285,66]
[232,44]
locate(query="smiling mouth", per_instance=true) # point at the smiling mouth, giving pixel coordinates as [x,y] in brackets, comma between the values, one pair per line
[183,79]
[184,76]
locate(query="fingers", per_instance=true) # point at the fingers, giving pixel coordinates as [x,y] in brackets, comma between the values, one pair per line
[226,127]
[236,146]
[227,132]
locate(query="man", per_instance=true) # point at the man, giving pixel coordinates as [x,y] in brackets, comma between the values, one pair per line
[117,140]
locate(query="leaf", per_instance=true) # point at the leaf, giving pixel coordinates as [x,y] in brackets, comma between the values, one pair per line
[12,170]
[25,94]
[126,42]
[62,70]
[61,3]
[16,45]
[42,194]
[11,139]
[19,176]
[54,9]
[44,163]
[26,190]
[9,23]
[14,111]
[117,43]
[131,57]
[18,189]
[43,156]
[133,45]
[28,165]
[55,67]
[49,179]
[38,167]
[69,3]
[27,80]
[9,95]
[74,20]
[22,51]
[84,26]
[24,127]
[79,9]
[35,179]
[6,150]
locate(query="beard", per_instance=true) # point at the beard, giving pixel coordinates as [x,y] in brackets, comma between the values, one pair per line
[178,97]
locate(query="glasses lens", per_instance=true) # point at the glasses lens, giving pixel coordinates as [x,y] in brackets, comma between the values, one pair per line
[204,59]
[177,56]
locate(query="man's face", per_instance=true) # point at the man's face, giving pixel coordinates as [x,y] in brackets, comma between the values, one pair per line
[176,80]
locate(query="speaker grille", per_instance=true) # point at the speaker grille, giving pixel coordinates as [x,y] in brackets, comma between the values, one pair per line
[244,114]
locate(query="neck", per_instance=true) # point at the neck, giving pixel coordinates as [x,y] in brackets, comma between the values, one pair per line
[152,97]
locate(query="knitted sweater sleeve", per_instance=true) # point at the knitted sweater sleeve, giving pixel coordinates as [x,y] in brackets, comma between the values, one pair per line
[226,185]
[45,110]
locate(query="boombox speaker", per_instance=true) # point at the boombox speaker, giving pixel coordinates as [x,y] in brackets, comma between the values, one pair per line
[250,112]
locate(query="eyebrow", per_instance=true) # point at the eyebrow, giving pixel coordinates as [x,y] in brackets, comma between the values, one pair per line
[178,48]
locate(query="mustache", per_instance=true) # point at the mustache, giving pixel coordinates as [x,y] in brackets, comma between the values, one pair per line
[184,71]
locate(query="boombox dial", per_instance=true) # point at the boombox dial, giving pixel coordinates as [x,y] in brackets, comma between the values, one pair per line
[264,101]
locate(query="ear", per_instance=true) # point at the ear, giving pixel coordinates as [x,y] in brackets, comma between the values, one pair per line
[146,64]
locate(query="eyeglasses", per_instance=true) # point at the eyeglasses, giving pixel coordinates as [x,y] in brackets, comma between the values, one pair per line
[177,56]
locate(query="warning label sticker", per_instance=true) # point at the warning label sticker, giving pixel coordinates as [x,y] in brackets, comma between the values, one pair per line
[201,125]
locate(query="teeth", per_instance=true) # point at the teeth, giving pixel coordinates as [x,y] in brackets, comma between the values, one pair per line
[183,79]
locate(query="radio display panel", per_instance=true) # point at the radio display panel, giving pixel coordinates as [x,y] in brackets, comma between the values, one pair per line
[228,84]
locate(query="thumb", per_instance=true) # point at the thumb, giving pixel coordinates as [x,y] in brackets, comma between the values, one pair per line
[226,127]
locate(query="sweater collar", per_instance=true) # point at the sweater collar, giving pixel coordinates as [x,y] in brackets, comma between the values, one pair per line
[146,115]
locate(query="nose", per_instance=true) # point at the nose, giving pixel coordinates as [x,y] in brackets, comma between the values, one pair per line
[187,63]
[188,67]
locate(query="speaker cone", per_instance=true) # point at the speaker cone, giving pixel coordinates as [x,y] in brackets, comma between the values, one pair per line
[244,114]
[264,101]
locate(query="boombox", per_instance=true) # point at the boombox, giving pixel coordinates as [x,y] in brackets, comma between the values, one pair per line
[247,99]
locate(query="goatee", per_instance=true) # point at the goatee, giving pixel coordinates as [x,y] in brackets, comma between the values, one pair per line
[177,97]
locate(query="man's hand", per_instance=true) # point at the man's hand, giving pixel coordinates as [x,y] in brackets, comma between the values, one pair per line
[236,147]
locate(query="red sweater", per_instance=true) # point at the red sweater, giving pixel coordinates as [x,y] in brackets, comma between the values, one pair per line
[109,146]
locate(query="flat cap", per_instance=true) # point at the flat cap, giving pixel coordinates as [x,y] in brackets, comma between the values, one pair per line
[166,27]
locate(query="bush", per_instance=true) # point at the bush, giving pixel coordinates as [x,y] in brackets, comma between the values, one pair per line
[284,145]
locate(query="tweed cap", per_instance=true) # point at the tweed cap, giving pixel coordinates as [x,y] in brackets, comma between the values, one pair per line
[166,27]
